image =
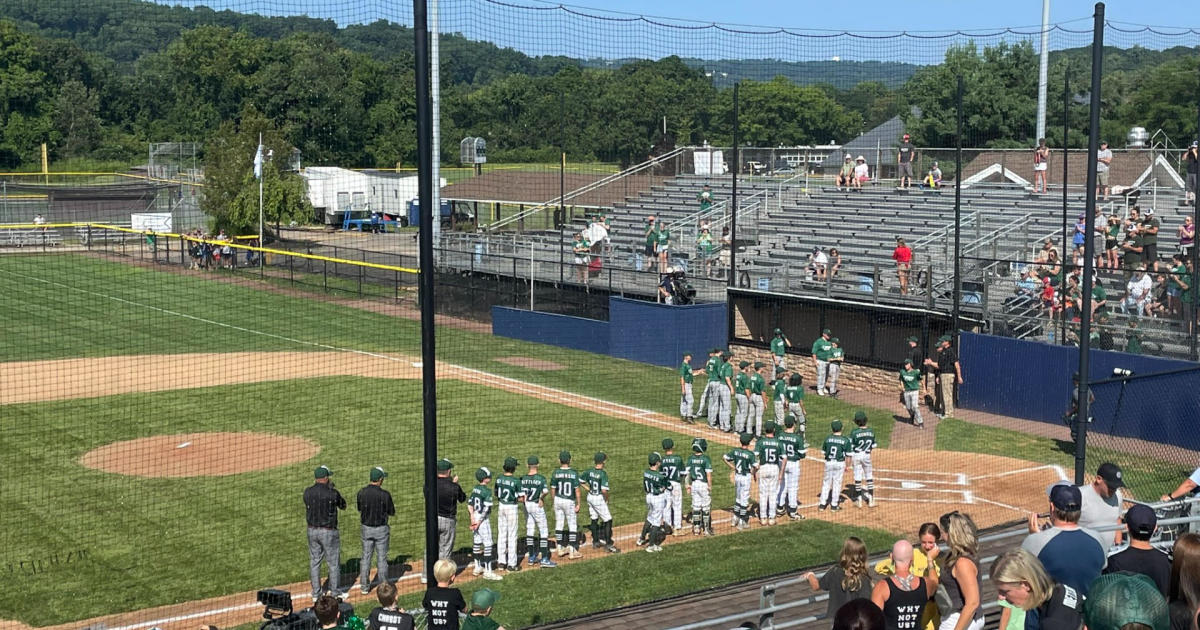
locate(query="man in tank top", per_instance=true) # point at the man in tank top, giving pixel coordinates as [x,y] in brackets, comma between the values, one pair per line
[902,597]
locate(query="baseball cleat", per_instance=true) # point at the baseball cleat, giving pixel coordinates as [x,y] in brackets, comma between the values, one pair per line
[639,542]
[871,501]
[547,563]
[796,516]
[596,544]
[770,521]
[489,575]
[858,503]
[822,506]
[835,508]
[364,589]
[612,549]
[477,571]
[513,568]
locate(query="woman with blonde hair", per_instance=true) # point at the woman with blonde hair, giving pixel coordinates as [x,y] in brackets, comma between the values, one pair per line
[1183,592]
[960,574]
[846,581]
[1022,582]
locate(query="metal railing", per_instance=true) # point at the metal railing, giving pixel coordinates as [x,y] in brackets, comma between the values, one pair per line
[582,190]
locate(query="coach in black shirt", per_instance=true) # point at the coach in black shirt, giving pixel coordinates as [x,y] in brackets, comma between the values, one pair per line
[918,358]
[374,508]
[449,494]
[321,503]
[948,372]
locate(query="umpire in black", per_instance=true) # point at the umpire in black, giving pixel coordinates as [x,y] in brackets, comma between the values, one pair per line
[374,508]
[321,503]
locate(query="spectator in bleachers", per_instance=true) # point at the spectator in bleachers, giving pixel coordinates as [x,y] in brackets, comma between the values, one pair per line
[1049,303]
[1176,283]
[1149,230]
[960,574]
[706,251]
[1080,233]
[1183,593]
[904,595]
[726,247]
[386,616]
[1133,246]
[1189,297]
[662,247]
[903,255]
[1029,286]
[651,242]
[1102,503]
[859,614]
[1140,556]
[847,580]
[818,264]
[1187,236]
[1041,164]
[582,250]
[1133,338]
[906,154]
[1112,233]
[924,565]
[1099,297]
[1191,160]
[845,178]
[862,172]
[1137,292]
[1077,256]
[705,198]
[835,262]
[1104,159]
[1070,554]
[934,178]
[327,609]
[1024,583]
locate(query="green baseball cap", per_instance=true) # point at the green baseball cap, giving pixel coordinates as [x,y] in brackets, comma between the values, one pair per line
[835,340]
[484,599]
[600,457]
[510,462]
[745,438]
[654,458]
[778,331]
[1118,599]
[482,473]
[945,338]
[758,365]
[378,474]
[908,361]
[836,425]
[668,443]
[769,427]
[743,364]
[826,332]
[699,445]
[913,339]
[725,354]
[533,460]
[444,465]
[860,415]
[780,369]
[564,456]
[789,421]
[322,472]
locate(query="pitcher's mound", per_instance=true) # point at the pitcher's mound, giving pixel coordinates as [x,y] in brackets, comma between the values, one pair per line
[199,454]
[532,363]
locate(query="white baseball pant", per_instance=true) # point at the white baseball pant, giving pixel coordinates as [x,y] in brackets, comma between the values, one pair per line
[835,369]
[862,467]
[780,360]
[756,412]
[565,517]
[598,508]
[535,521]
[790,488]
[780,410]
[723,397]
[655,505]
[743,410]
[675,505]
[768,490]
[912,404]
[685,401]
[707,400]
[506,539]
[701,499]
[482,536]
[741,489]
[831,485]
[822,374]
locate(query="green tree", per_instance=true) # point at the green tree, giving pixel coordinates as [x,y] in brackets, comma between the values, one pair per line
[76,119]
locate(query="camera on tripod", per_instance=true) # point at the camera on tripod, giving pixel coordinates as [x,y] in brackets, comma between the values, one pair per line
[278,612]
[679,291]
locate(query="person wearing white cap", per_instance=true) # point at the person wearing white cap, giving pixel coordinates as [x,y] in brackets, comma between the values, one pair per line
[846,175]
[862,172]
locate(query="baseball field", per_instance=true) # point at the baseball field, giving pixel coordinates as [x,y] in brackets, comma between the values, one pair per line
[158,427]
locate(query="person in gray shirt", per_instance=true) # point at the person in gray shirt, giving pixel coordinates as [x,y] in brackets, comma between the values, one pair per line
[1103,159]
[1102,504]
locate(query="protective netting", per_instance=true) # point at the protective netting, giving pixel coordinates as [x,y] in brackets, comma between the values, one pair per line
[210,292]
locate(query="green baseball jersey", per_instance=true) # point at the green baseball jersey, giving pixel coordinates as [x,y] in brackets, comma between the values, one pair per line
[742,460]
[705,198]
[685,372]
[654,482]
[778,346]
[533,487]
[564,482]
[780,387]
[726,370]
[741,384]
[862,440]
[713,369]
[508,489]
[911,379]
[672,467]
[793,446]
[835,448]
[837,354]
[794,393]
[821,348]
[480,501]
[699,467]
[596,480]
[769,450]
[664,237]
[757,384]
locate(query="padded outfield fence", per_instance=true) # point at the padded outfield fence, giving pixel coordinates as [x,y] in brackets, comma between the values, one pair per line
[167,398]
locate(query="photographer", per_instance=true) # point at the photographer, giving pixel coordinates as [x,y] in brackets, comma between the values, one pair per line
[673,288]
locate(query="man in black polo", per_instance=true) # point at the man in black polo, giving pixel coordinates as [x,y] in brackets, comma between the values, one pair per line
[449,495]
[947,373]
[321,503]
[374,507]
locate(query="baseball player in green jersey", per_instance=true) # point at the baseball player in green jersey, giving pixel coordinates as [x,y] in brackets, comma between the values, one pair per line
[835,447]
[508,494]
[564,485]
[655,484]
[685,389]
[741,461]
[479,506]
[672,468]
[724,389]
[794,395]
[596,480]
[777,388]
[709,398]
[699,471]
[820,354]
[862,442]
[769,451]
[537,530]
[793,451]
[741,394]
[758,397]
[779,346]
[836,356]
[910,378]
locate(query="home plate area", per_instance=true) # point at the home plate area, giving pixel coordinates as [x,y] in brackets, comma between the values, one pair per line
[917,486]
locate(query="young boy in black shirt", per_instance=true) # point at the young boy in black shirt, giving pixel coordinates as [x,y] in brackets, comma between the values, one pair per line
[442,603]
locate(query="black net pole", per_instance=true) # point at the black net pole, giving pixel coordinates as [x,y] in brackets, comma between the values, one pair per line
[1062,332]
[1089,247]
[958,104]
[733,198]
[425,255]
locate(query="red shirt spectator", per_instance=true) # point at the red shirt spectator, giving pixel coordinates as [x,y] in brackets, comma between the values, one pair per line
[902,253]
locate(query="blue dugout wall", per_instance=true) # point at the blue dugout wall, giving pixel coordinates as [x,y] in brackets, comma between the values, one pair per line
[1032,380]
[640,331]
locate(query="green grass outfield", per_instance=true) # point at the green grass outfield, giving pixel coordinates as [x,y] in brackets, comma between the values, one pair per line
[148,542]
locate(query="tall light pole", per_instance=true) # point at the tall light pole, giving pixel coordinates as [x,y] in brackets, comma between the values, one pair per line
[1043,70]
